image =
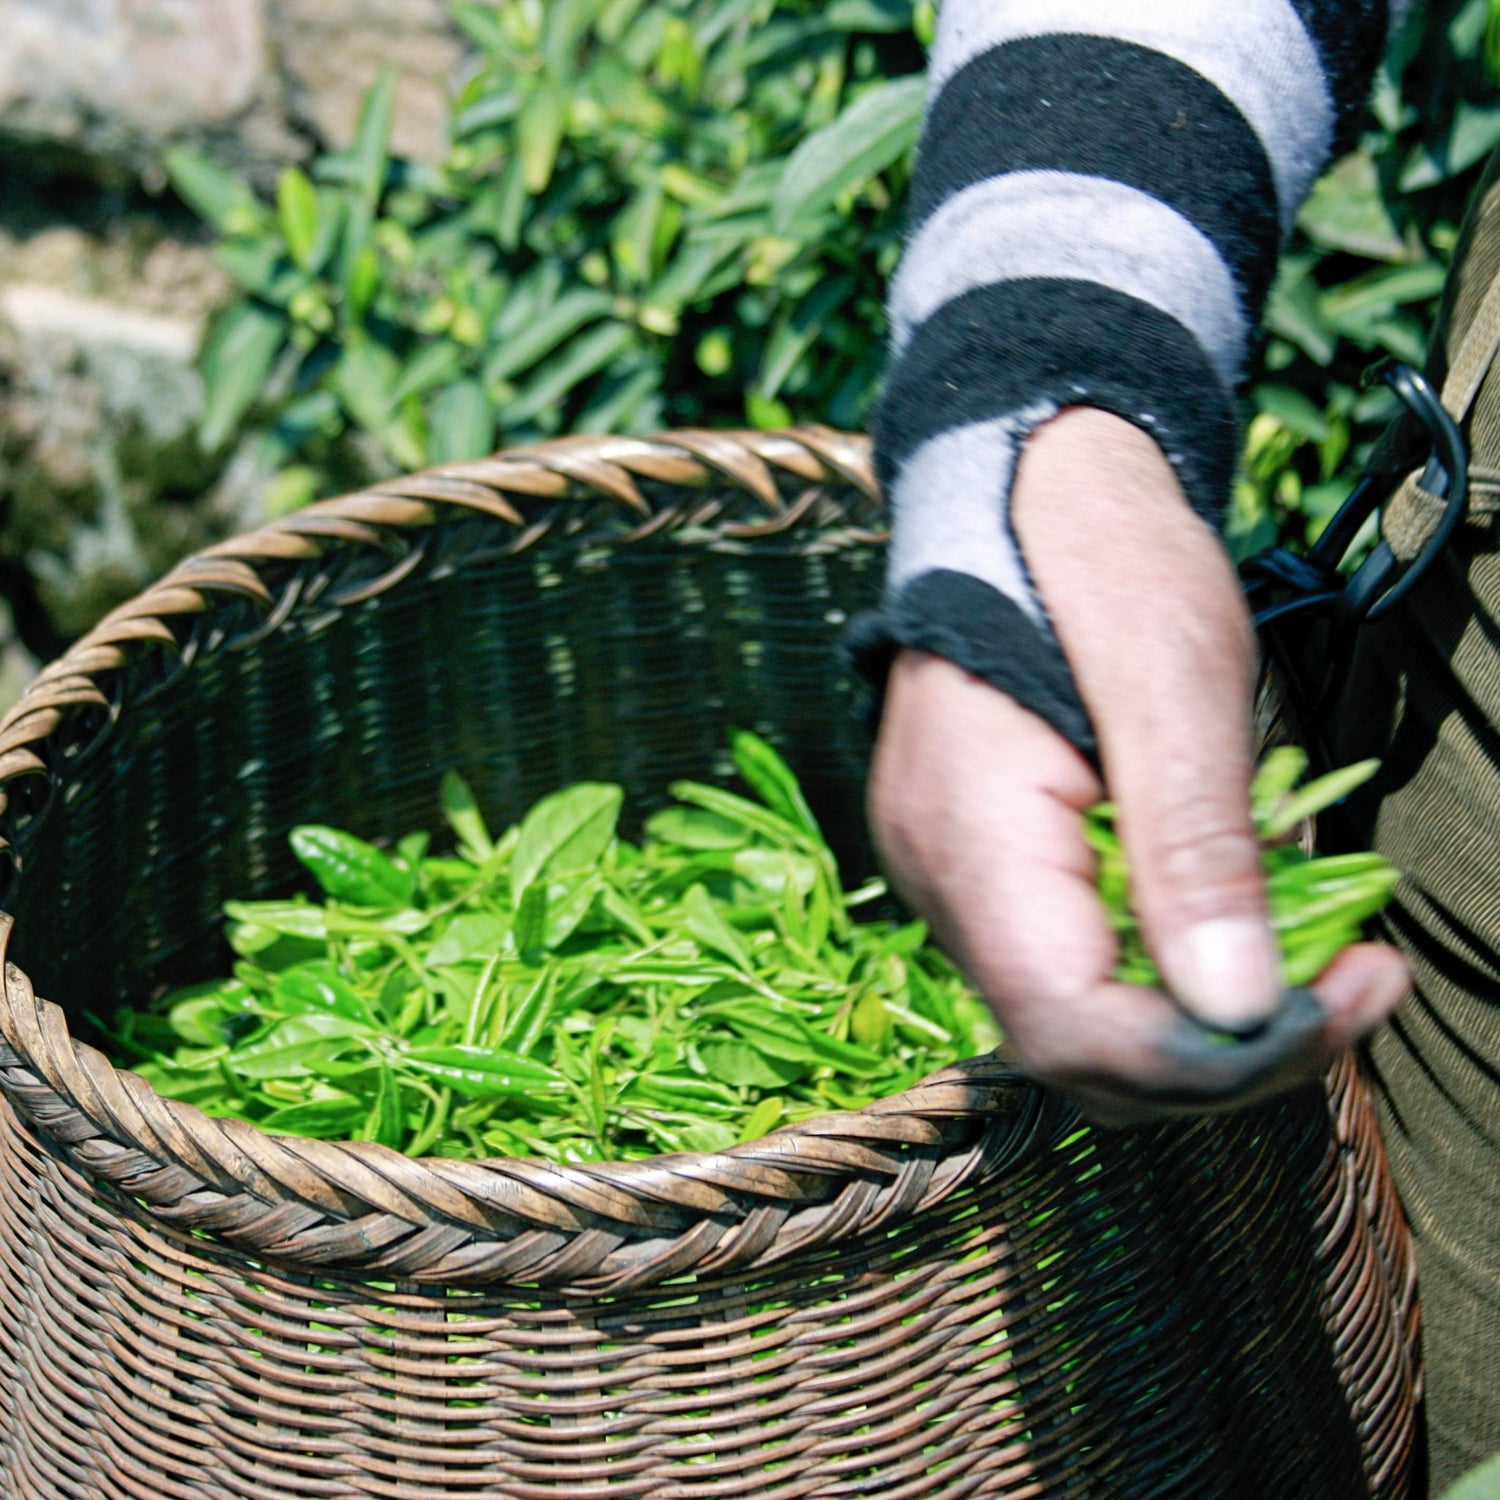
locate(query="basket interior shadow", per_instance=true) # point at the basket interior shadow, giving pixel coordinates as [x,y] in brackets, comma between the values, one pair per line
[573,659]
[1205,1308]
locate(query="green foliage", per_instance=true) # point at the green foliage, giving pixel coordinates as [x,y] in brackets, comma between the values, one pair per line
[680,212]
[684,212]
[1362,277]
[561,993]
[1318,906]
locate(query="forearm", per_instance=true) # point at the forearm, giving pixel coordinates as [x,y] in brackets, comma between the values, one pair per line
[1100,198]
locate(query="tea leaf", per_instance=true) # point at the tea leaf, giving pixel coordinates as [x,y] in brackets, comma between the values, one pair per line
[465,819]
[317,988]
[565,832]
[1316,796]
[706,924]
[322,1119]
[297,1047]
[1317,905]
[746,1066]
[693,828]
[470,935]
[530,932]
[1279,771]
[484,1072]
[349,869]
[772,780]
[763,1119]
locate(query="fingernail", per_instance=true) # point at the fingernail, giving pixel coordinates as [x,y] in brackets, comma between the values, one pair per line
[1389,992]
[1225,972]
[1354,996]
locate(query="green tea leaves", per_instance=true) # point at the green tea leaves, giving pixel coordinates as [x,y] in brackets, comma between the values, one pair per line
[557,991]
[1317,795]
[485,1072]
[561,993]
[469,936]
[201,1014]
[565,832]
[1317,906]
[321,1118]
[318,989]
[297,1047]
[694,828]
[465,819]
[772,781]
[1279,771]
[349,869]
[744,1065]
[704,921]
[789,1038]
[530,931]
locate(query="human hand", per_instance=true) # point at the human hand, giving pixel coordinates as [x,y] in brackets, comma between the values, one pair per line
[976,803]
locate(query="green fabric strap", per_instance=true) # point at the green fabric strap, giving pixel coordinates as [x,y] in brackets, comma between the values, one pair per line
[1422,696]
[1467,341]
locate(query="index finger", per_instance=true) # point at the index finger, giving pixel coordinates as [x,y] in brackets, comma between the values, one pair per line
[1028,925]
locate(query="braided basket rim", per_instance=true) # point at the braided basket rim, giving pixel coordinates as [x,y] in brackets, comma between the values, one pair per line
[358,1206]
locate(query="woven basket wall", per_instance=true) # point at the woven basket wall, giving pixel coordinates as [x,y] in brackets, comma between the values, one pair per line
[958,1292]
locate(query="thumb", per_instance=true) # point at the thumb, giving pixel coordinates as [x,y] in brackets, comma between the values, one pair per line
[1162,648]
[1183,800]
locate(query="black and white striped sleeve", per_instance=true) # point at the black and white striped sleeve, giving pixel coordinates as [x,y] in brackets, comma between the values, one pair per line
[1101,192]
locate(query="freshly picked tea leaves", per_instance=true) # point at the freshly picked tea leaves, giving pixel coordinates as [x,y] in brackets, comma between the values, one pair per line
[560,992]
[1318,904]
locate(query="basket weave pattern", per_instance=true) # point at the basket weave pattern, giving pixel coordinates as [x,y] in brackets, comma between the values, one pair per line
[956,1292]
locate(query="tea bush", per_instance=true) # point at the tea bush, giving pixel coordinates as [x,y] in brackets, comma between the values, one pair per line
[1361,280]
[683,212]
[652,214]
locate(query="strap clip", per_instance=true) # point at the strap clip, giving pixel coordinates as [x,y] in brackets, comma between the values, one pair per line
[1304,608]
[1279,583]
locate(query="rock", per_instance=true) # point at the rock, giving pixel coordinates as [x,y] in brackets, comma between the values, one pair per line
[119,301]
[106,280]
[333,50]
[115,81]
[104,485]
[95,245]
[109,84]
[97,405]
[42,313]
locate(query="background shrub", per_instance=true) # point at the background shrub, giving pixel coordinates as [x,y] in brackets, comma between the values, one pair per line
[683,212]
[652,214]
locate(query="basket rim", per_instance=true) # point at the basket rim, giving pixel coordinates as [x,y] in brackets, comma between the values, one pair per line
[360,1207]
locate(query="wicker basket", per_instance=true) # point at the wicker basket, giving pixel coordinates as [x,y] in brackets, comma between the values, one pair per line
[958,1292]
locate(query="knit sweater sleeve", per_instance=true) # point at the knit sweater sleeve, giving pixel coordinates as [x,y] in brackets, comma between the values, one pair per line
[1101,192]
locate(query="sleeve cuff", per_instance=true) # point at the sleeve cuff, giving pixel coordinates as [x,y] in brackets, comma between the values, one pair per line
[973,625]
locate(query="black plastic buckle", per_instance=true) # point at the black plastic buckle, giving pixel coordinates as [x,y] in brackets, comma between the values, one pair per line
[1292,597]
